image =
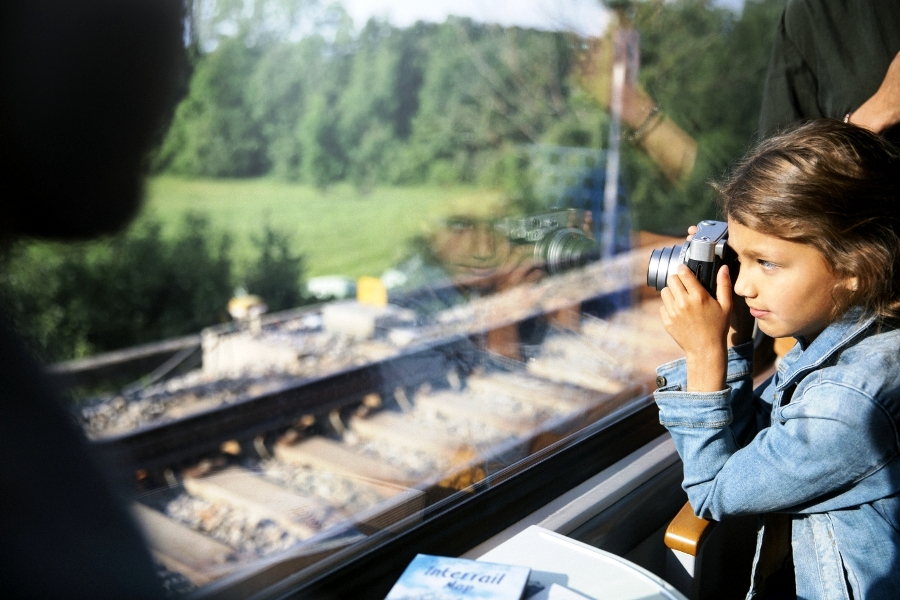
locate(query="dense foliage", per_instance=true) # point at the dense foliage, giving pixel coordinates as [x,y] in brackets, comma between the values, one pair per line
[451,102]
[75,300]
[288,89]
[427,103]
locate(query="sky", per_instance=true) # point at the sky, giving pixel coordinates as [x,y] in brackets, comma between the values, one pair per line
[585,17]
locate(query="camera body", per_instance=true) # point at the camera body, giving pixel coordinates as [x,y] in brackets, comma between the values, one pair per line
[559,242]
[704,254]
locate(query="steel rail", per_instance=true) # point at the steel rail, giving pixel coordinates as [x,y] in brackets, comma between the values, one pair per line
[168,443]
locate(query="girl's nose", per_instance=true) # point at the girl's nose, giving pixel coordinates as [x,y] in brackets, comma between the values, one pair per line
[483,244]
[742,285]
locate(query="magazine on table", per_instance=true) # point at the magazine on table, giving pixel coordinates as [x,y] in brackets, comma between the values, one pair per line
[438,578]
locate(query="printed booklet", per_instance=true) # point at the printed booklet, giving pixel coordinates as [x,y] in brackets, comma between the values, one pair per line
[439,578]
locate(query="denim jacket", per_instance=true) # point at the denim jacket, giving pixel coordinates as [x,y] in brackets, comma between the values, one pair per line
[820,444]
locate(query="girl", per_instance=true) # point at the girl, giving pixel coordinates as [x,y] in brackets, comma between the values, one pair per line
[814,217]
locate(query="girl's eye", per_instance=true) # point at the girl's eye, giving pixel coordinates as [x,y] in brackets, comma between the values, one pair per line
[766,264]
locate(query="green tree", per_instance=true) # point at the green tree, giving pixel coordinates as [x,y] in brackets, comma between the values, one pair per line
[277,274]
[453,102]
[213,133]
[485,87]
[317,131]
[381,99]
[282,92]
[277,96]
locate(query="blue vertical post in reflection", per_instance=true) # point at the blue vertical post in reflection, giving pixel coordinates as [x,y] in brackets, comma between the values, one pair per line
[625,64]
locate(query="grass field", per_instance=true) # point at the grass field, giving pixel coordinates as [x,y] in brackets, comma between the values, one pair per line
[340,231]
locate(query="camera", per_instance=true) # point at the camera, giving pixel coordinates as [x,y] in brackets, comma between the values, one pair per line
[703,255]
[559,242]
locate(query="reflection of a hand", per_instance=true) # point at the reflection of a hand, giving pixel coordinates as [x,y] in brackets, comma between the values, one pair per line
[587,226]
[519,269]
[673,150]
[594,74]
[594,70]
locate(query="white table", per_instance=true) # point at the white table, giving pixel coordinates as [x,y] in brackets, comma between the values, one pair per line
[554,558]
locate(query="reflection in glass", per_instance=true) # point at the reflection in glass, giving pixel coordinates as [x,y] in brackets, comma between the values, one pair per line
[459,169]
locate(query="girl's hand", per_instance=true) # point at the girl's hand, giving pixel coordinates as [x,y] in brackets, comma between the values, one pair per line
[699,324]
[741,322]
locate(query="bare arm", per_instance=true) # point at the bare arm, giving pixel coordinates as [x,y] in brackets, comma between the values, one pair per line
[669,146]
[882,110]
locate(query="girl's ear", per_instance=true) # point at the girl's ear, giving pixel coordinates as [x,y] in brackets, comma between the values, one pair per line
[850,287]
[844,294]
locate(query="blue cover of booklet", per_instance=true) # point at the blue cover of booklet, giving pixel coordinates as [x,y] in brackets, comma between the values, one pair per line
[439,578]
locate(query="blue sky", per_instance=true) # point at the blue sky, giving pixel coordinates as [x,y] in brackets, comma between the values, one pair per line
[586,17]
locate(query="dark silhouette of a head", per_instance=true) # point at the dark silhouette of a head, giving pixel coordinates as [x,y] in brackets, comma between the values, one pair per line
[86,89]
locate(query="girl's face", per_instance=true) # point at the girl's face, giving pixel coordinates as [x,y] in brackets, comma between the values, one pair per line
[788,286]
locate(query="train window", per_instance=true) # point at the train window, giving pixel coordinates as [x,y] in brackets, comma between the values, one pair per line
[389,289]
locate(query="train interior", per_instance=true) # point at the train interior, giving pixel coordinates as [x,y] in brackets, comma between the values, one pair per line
[266,464]
[495,373]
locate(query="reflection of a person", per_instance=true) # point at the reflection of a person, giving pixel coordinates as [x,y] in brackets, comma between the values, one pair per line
[830,58]
[669,146]
[84,89]
[481,258]
[478,259]
[471,250]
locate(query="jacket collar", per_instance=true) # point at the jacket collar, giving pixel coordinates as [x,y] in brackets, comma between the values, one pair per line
[807,356]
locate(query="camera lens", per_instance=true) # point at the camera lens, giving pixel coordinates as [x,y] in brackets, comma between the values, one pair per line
[664,261]
[566,249]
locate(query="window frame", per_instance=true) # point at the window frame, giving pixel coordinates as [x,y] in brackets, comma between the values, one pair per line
[369,568]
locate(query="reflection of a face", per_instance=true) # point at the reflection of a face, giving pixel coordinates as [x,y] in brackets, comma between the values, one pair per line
[470,248]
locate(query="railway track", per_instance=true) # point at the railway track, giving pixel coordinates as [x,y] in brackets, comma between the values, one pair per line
[276,468]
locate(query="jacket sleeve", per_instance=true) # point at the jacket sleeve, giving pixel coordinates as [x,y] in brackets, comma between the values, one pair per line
[831,436]
[737,406]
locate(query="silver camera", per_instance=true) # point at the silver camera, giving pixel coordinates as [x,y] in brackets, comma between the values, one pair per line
[703,255]
[559,242]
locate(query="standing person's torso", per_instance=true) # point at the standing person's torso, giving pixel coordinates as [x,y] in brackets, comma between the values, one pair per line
[830,56]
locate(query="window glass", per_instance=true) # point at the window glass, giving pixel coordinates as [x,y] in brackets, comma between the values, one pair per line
[385,255]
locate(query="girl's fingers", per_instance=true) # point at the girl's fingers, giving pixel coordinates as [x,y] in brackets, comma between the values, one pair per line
[677,291]
[673,282]
[723,288]
[688,281]
[666,296]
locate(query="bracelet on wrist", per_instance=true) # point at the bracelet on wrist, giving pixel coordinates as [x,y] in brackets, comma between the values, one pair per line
[653,119]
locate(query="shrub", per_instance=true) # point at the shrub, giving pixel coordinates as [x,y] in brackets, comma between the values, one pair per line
[277,274]
[71,301]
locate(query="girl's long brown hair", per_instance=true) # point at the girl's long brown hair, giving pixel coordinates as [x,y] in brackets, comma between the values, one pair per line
[835,187]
